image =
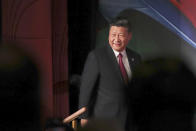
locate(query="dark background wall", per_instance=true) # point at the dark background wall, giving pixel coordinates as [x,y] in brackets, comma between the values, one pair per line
[58,34]
[82,33]
[81,20]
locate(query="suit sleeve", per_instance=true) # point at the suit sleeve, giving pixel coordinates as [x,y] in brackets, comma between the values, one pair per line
[89,78]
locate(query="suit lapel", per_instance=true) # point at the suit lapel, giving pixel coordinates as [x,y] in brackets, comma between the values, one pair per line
[131,58]
[114,62]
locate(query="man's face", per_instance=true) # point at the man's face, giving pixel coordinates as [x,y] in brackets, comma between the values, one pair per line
[119,37]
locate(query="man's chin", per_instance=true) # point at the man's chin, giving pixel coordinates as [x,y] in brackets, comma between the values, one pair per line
[118,49]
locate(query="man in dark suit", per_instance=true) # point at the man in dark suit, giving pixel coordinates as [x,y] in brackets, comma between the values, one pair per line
[106,76]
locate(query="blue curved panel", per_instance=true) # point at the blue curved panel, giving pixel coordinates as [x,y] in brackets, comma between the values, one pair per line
[163,11]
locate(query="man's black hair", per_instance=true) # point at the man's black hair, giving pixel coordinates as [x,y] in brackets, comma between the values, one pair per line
[121,22]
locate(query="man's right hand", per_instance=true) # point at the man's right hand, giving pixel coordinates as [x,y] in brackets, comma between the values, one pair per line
[83,122]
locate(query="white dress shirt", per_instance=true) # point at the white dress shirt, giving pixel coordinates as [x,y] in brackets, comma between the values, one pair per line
[125,61]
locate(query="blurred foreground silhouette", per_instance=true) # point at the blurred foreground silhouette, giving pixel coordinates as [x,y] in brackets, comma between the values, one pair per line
[165,100]
[19,90]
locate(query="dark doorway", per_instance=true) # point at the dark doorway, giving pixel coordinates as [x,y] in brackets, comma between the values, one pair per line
[81,34]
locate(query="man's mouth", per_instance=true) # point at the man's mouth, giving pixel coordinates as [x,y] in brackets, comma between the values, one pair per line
[117,44]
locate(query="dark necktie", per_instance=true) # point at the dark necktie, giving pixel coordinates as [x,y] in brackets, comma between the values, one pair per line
[122,68]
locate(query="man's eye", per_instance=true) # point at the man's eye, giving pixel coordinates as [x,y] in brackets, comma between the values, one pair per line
[122,35]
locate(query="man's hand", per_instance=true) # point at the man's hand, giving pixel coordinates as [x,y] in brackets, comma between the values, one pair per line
[83,122]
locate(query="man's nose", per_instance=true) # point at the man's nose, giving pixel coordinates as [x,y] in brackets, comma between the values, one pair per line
[117,38]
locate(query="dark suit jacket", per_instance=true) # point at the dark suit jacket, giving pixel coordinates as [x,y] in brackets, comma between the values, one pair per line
[102,89]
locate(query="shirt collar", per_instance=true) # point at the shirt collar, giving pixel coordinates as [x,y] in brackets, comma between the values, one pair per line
[117,53]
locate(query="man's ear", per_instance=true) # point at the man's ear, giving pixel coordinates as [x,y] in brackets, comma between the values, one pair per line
[130,36]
